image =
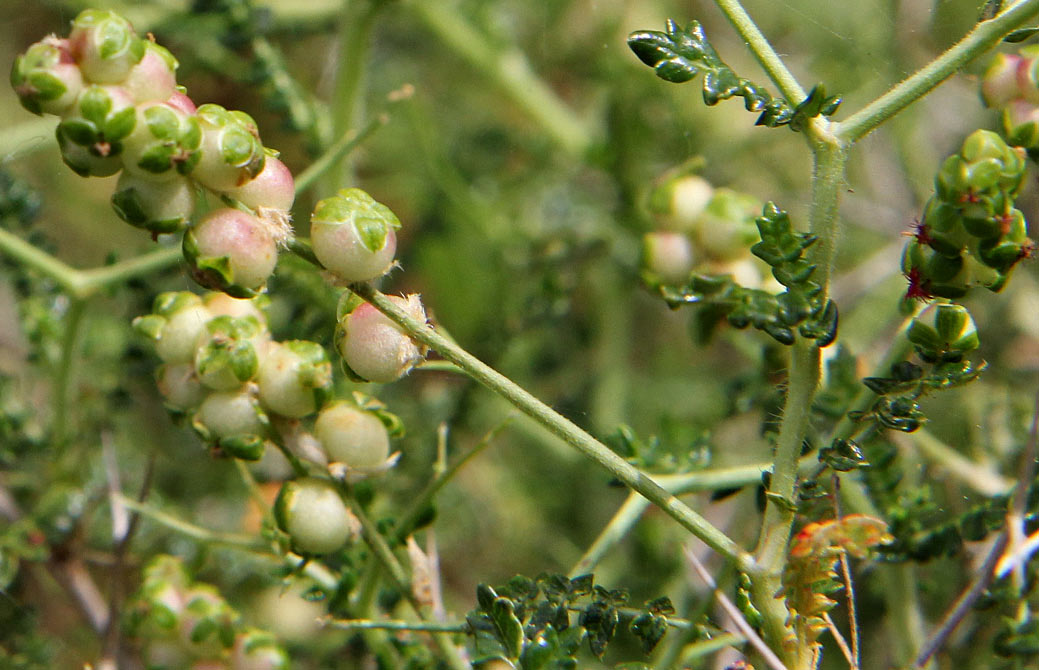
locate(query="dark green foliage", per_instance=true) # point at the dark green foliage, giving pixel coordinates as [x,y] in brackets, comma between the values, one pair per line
[801,309]
[678,54]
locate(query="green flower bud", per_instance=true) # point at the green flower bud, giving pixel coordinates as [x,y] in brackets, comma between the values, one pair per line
[101,118]
[931,274]
[942,229]
[155,611]
[179,386]
[351,436]
[353,235]
[984,168]
[726,229]
[46,78]
[679,200]
[1011,245]
[295,378]
[1021,124]
[258,650]
[234,422]
[158,206]
[228,353]
[943,331]
[105,46]
[667,257]
[164,143]
[221,304]
[373,347]
[314,516]
[231,150]
[231,251]
[207,624]
[999,84]
[85,162]
[177,322]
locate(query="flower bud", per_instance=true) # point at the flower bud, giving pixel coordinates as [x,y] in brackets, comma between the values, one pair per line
[158,206]
[1021,124]
[85,162]
[999,83]
[373,347]
[101,118]
[258,650]
[273,188]
[726,229]
[314,516]
[351,436]
[931,274]
[353,236]
[155,610]
[943,331]
[678,201]
[667,257]
[164,143]
[1002,252]
[105,46]
[221,304]
[182,102]
[179,386]
[46,78]
[154,78]
[228,352]
[231,150]
[207,625]
[233,421]
[231,251]
[1027,80]
[295,378]
[177,322]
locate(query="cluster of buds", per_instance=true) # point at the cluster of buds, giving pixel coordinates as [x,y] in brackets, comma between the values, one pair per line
[970,234]
[185,624]
[1011,83]
[122,110]
[700,228]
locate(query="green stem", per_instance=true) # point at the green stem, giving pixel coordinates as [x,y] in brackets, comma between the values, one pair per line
[95,279]
[247,542]
[762,50]
[698,650]
[509,69]
[562,427]
[66,276]
[63,374]
[343,146]
[979,477]
[985,35]
[416,626]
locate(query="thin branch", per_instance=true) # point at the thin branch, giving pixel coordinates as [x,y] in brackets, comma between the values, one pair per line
[396,625]
[762,50]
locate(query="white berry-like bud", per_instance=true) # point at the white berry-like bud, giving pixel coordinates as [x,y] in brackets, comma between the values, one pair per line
[374,348]
[273,188]
[46,78]
[179,386]
[352,436]
[154,78]
[105,46]
[158,206]
[231,251]
[230,414]
[312,513]
[294,378]
[353,235]
[231,150]
[667,257]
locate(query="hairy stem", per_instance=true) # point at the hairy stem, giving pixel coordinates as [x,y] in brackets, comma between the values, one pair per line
[985,35]
[562,427]
[762,50]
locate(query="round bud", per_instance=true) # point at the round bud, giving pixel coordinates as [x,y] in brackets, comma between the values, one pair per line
[943,331]
[230,414]
[207,623]
[228,352]
[352,436]
[105,46]
[999,83]
[177,321]
[1027,79]
[84,162]
[158,206]
[46,78]
[182,102]
[231,251]
[258,650]
[667,257]
[726,230]
[164,143]
[179,386]
[314,516]
[373,347]
[353,235]
[101,118]
[154,78]
[221,304]
[273,188]
[231,150]
[678,201]
[1021,124]
[294,378]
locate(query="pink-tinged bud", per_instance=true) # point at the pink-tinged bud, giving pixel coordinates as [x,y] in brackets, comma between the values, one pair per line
[999,83]
[273,188]
[221,304]
[1021,124]
[258,650]
[231,251]
[295,378]
[231,150]
[667,257]
[314,516]
[164,143]
[100,120]
[154,79]
[158,206]
[46,78]
[105,46]
[1027,80]
[353,437]
[374,348]
[182,102]
[353,235]
[180,387]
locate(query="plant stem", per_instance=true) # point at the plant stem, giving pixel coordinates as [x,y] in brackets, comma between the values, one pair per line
[343,146]
[699,650]
[247,542]
[562,427]
[984,36]
[509,69]
[63,374]
[416,626]
[762,50]
[979,477]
